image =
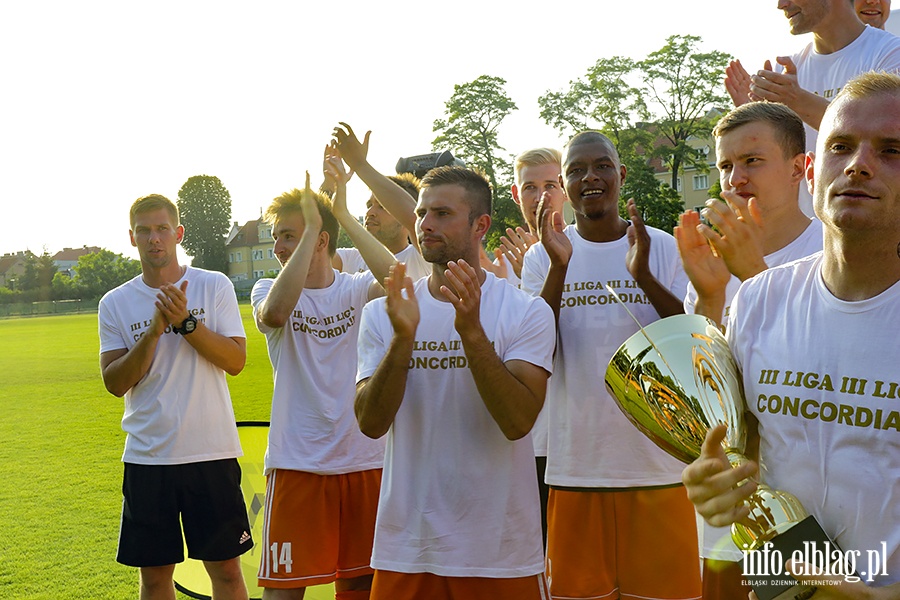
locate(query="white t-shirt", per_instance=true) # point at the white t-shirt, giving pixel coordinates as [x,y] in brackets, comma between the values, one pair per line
[539,431]
[313,426]
[826,74]
[458,499]
[820,375]
[715,542]
[590,442]
[180,412]
[808,242]
[416,266]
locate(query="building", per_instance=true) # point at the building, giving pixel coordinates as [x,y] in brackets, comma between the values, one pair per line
[12,266]
[250,250]
[67,258]
[693,183]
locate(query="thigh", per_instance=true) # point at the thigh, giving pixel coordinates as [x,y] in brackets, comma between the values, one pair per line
[150,533]
[359,506]
[390,585]
[301,526]
[213,512]
[581,542]
[657,544]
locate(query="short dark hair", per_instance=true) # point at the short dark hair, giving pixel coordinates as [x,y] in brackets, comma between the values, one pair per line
[288,203]
[476,184]
[590,136]
[786,124]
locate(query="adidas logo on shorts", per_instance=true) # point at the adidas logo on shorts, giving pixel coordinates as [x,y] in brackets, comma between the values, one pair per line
[245,537]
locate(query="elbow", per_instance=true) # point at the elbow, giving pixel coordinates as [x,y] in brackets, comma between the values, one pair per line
[516,433]
[368,427]
[235,369]
[273,320]
[116,390]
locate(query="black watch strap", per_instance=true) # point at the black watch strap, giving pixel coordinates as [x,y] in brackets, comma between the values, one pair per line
[187,326]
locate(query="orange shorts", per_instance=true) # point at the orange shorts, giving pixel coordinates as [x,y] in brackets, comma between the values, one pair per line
[317,528]
[390,585]
[723,580]
[639,543]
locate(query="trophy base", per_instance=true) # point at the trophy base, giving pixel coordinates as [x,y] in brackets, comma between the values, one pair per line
[806,542]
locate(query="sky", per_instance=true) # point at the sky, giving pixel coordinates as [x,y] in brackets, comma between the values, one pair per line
[104,102]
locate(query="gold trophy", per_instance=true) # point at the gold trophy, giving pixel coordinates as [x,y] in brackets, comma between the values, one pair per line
[674,380]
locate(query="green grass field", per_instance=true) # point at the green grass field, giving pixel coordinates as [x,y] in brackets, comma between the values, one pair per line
[60,455]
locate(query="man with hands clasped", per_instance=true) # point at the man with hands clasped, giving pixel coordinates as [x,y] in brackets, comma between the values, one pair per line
[167,338]
[454,369]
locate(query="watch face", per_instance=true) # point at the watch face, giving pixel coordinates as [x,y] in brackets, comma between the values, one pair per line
[189,325]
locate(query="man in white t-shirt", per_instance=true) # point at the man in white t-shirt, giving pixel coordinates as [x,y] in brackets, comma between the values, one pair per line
[842,48]
[167,338]
[829,437]
[322,474]
[761,159]
[454,370]
[613,493]
[392,204]
[387,230]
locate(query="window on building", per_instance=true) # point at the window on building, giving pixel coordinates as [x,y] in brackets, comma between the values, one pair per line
[231,257]
[266,233]
[238,257]
[701,182]
[271,253]
[678,184]
[257,255]
[258,274]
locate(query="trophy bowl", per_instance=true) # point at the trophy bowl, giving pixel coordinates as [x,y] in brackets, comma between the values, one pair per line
[674,380]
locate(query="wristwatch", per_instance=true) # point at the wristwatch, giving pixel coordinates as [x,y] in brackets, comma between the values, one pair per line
[187,326]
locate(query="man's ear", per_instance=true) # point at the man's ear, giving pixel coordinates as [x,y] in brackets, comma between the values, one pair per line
[179,233]
[482,224]
[810,173]
[515,194]
[131,237]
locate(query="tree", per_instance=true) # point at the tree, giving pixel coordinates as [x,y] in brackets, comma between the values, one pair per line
[38,273]
[95,274]
[612,97]
[685,87]
[205,207]
[472,117]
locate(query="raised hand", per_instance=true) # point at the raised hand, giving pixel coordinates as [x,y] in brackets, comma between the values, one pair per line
[637,260]
[310,209]
[739,240]
[465,295]
[402,311]
[552,235]
[351,149]
[772,86]
[706,269]
[337,176]
[713,485]
[515,245]
[498,268]
[737,83]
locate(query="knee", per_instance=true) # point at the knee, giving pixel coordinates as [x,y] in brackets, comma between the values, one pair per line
[157,579]
[226,572]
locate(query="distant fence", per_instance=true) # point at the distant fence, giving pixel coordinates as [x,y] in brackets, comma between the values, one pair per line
[49,307]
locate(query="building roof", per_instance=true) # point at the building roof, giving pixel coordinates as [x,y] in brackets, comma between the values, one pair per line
[247,236]
[73,254]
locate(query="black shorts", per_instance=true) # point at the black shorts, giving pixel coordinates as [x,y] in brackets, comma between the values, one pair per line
[205,497]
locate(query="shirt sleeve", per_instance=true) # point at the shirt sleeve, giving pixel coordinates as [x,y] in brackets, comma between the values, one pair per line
[111,337]
[228,313]
[258,295]
[372,345]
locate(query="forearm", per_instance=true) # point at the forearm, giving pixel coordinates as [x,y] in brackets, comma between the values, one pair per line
[512,404]
[664,301]
[378,398]
[552,289]
[276,309]
[124,372]
[378,258]
[810,107]
[712,307]
[391,196]
[227,353]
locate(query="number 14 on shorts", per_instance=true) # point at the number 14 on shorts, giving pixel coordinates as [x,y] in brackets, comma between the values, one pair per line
[281,559]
